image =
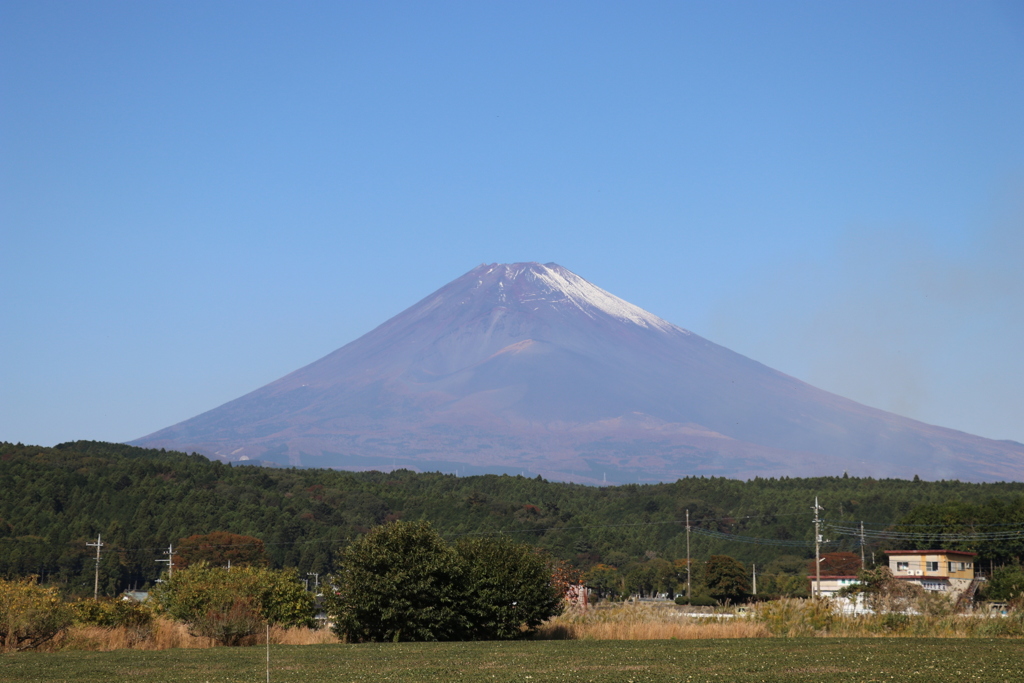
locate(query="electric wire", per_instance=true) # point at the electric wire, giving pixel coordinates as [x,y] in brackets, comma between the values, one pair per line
[838,529]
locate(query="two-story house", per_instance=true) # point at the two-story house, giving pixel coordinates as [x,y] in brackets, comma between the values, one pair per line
[946,571]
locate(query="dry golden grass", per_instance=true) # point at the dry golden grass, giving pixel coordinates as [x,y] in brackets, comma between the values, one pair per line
[164,634]
[301,636]
[645,621]
[688,630]
[629,621]
[780,618]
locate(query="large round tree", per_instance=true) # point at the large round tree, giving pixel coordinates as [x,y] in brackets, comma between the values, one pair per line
[726,578]
[402,581]
[510,588]
[399,582]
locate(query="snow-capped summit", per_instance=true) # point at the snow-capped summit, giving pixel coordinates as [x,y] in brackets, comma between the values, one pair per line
[553,285]
[528,367]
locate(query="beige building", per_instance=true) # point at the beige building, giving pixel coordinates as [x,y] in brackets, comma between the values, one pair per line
[945,571]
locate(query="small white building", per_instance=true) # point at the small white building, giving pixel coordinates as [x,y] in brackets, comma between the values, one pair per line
[831,584]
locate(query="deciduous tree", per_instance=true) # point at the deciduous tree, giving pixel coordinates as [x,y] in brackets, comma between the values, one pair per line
[220,548]
[509,588]
[604,580]
[30,615]
[228,605]
[1007,583]
[836,564]
[399,582]
[403,582]
[726,578]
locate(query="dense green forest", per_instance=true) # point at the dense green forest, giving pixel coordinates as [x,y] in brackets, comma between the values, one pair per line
[55,500]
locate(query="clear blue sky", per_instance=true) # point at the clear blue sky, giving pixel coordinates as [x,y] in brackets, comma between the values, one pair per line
[197,198]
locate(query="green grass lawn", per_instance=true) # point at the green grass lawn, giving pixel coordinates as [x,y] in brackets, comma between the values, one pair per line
[776,659]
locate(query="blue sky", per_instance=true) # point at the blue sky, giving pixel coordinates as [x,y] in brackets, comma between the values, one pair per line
[197,198]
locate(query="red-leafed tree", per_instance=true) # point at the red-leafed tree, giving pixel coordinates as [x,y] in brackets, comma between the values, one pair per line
[565,577]
[219,548]
[836,564]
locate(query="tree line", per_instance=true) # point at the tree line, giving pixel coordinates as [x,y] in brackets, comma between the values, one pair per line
[629,539]
[399,582]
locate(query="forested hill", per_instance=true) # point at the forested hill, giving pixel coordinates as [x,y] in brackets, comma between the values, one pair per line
[55,500]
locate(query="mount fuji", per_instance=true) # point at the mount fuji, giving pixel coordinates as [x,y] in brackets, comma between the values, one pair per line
[528,368]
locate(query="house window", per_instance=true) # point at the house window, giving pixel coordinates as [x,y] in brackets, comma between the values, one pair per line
[957,566]
[931,566]
[902,566]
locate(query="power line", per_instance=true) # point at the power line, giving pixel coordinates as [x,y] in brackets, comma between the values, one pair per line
[907,524]
[890,534]
[862,534]
[788,543]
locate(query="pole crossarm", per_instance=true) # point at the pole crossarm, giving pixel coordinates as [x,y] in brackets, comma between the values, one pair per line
[96,580]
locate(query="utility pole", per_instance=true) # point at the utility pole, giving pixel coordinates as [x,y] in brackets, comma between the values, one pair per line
[862,544]
[316,580]
[170,561]
[755,579]
[688,568]
[817,548]
[96,582]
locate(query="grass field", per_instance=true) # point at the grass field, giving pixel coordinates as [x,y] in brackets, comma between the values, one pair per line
[693,661]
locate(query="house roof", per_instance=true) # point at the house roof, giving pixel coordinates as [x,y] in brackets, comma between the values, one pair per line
[929,552]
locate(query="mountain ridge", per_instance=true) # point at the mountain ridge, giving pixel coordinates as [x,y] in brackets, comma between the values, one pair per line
[530,367]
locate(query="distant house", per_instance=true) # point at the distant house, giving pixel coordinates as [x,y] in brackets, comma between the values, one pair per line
[831,584]
[950,572]
[947,572]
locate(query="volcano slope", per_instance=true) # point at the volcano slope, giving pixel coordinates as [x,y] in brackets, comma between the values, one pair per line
[529,368]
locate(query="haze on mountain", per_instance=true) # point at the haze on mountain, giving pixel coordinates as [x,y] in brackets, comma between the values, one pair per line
[529,368]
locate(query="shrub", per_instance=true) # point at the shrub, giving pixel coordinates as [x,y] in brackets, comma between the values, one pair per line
[111,613]
[697,601]
[30,615]
[228,622]
[134,620]
[795,617]
[894,621]
[884,593]
[228,605]
[1009,626]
